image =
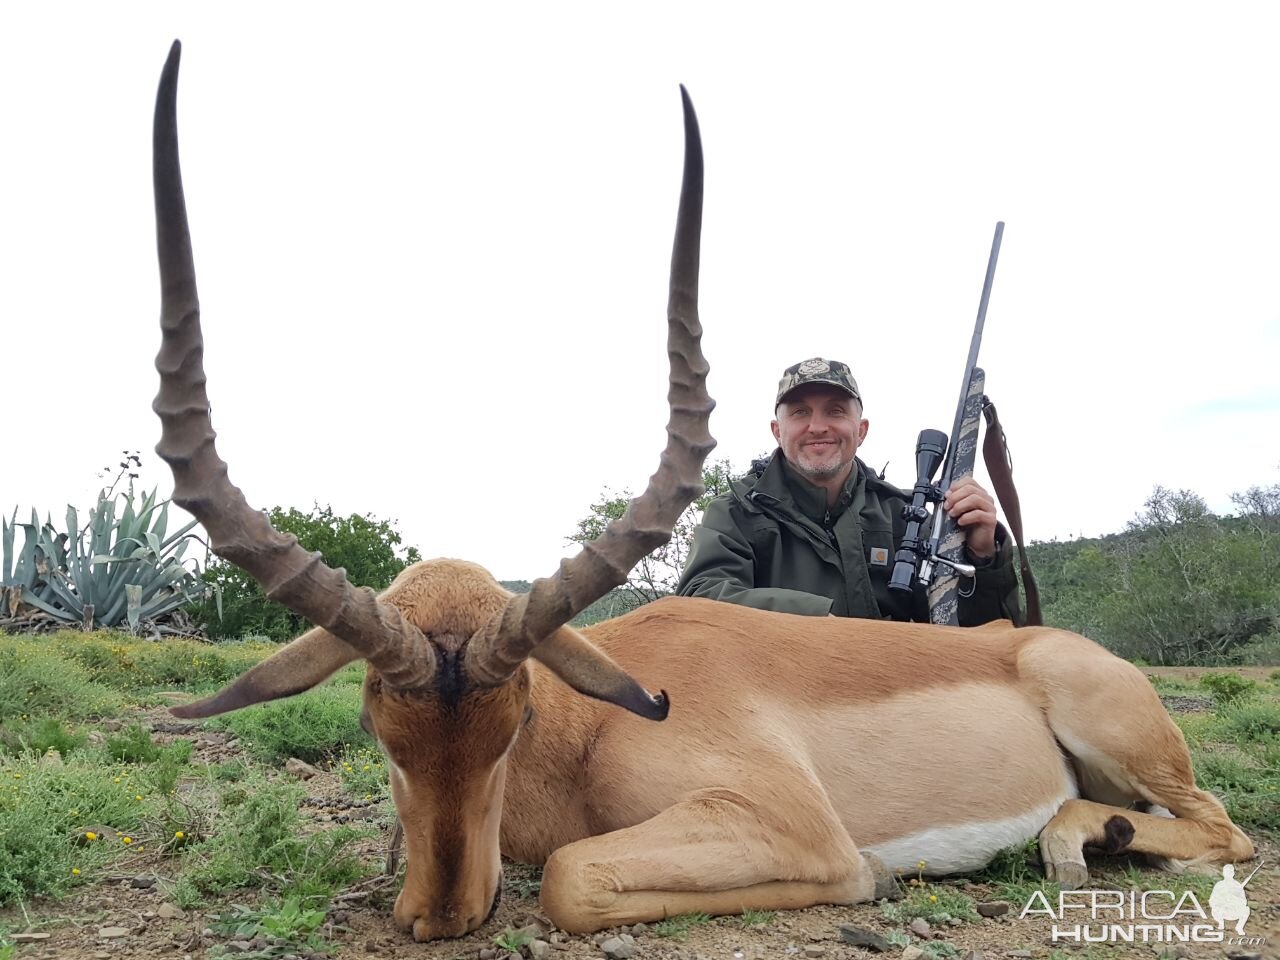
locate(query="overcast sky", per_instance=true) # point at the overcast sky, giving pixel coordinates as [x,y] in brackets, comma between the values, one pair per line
[432,244]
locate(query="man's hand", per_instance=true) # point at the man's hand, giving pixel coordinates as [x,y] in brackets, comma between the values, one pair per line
[973,510]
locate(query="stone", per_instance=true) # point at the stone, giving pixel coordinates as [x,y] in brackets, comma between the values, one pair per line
[920,927]
[617,948]
[1021,954]
[640,929]
[239,946]
[539,949]
[487,953]
[861,937]
[168,911]
[974,955]
[912,952]
[814,952]
[994,908]
[102,955]
[112,933]
[29,937]
[300,769]
[142,883]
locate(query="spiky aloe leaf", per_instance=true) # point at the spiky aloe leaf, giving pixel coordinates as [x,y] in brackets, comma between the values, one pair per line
[133,593]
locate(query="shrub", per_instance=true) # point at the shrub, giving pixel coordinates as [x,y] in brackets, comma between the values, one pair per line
[1228,687]
[36,681]
[261,843]
[367,548]
[1251,721]
[313,727]
[117,570]
[39,736]
[45,810]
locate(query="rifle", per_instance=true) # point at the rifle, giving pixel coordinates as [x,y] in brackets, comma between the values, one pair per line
[937,561]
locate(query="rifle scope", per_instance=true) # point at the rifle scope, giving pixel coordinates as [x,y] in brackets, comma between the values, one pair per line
[931,447]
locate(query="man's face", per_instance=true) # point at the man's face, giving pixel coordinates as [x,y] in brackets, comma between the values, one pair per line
[819,429]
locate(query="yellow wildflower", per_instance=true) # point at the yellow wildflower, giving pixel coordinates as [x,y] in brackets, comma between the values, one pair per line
[179,835]
[90,835]
[138,797]
[17,776]
[126,839]
[75,871]
[933,898]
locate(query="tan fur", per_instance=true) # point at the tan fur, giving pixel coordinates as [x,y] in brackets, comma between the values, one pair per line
[796,747]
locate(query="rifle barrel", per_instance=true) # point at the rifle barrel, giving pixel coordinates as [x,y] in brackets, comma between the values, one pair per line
[974,343]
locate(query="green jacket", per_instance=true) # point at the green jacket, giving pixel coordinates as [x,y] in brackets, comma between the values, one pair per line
[771,542]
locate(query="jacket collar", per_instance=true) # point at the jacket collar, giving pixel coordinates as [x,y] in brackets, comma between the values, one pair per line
[782,484]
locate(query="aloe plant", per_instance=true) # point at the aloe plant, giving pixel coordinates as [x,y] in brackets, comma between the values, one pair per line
[116,570]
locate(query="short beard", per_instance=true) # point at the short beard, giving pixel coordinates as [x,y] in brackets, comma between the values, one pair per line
[822,473]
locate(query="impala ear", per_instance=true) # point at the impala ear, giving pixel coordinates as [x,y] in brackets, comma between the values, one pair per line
[299,666]
[577,661]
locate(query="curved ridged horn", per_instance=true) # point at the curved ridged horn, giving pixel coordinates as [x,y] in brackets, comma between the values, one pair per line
[499,647]
[237,532]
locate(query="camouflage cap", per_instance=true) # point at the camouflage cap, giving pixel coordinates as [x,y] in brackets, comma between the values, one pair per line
[816,370]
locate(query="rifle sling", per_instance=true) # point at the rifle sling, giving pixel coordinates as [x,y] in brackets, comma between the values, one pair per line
[995,451]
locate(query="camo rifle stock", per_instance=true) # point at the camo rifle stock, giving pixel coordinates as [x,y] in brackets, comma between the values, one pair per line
[944,589]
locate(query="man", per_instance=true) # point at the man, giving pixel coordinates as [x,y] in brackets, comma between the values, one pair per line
[814,531]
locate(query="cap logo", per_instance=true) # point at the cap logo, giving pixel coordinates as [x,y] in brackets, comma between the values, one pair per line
[811,368]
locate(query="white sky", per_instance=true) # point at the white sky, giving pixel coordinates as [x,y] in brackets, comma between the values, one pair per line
[432,244]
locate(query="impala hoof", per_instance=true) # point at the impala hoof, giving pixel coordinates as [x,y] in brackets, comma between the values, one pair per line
[1068,874]
[887,886]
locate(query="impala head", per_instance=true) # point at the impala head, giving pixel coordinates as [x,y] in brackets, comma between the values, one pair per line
[448,684]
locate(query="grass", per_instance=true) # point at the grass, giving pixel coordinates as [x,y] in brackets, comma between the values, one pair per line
[1016,873]
[757,918]
[317,727]
[259,843]
[678,927]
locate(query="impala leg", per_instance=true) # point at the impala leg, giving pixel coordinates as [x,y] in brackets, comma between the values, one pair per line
[1126,749]
[717,852]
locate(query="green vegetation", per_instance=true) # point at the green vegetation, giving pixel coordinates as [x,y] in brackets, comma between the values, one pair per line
[512,940]
[933,902]
[1181,585]
[259,843]
[315,728]
[292,923]
[369,550]
[678,927]
[119,570]
[655,575]
[757,918]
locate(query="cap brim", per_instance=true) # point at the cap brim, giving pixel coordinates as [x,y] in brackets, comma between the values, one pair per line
[818,380]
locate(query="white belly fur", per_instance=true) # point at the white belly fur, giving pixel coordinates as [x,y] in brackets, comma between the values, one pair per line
[948,775]
[962,847]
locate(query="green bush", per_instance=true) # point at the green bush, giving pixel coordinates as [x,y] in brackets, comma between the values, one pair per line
[39,736]
[45,810]
[367,548]
[315,726]
[130,664]
[1228,687]
[1248,721]
[36,681]
[261,843]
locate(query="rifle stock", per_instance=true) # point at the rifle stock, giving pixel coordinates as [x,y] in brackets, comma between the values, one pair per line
[948,539]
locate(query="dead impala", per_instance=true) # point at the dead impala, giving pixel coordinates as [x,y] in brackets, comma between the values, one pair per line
[802,756]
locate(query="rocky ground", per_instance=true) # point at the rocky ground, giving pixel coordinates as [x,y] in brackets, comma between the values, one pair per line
[128,913]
